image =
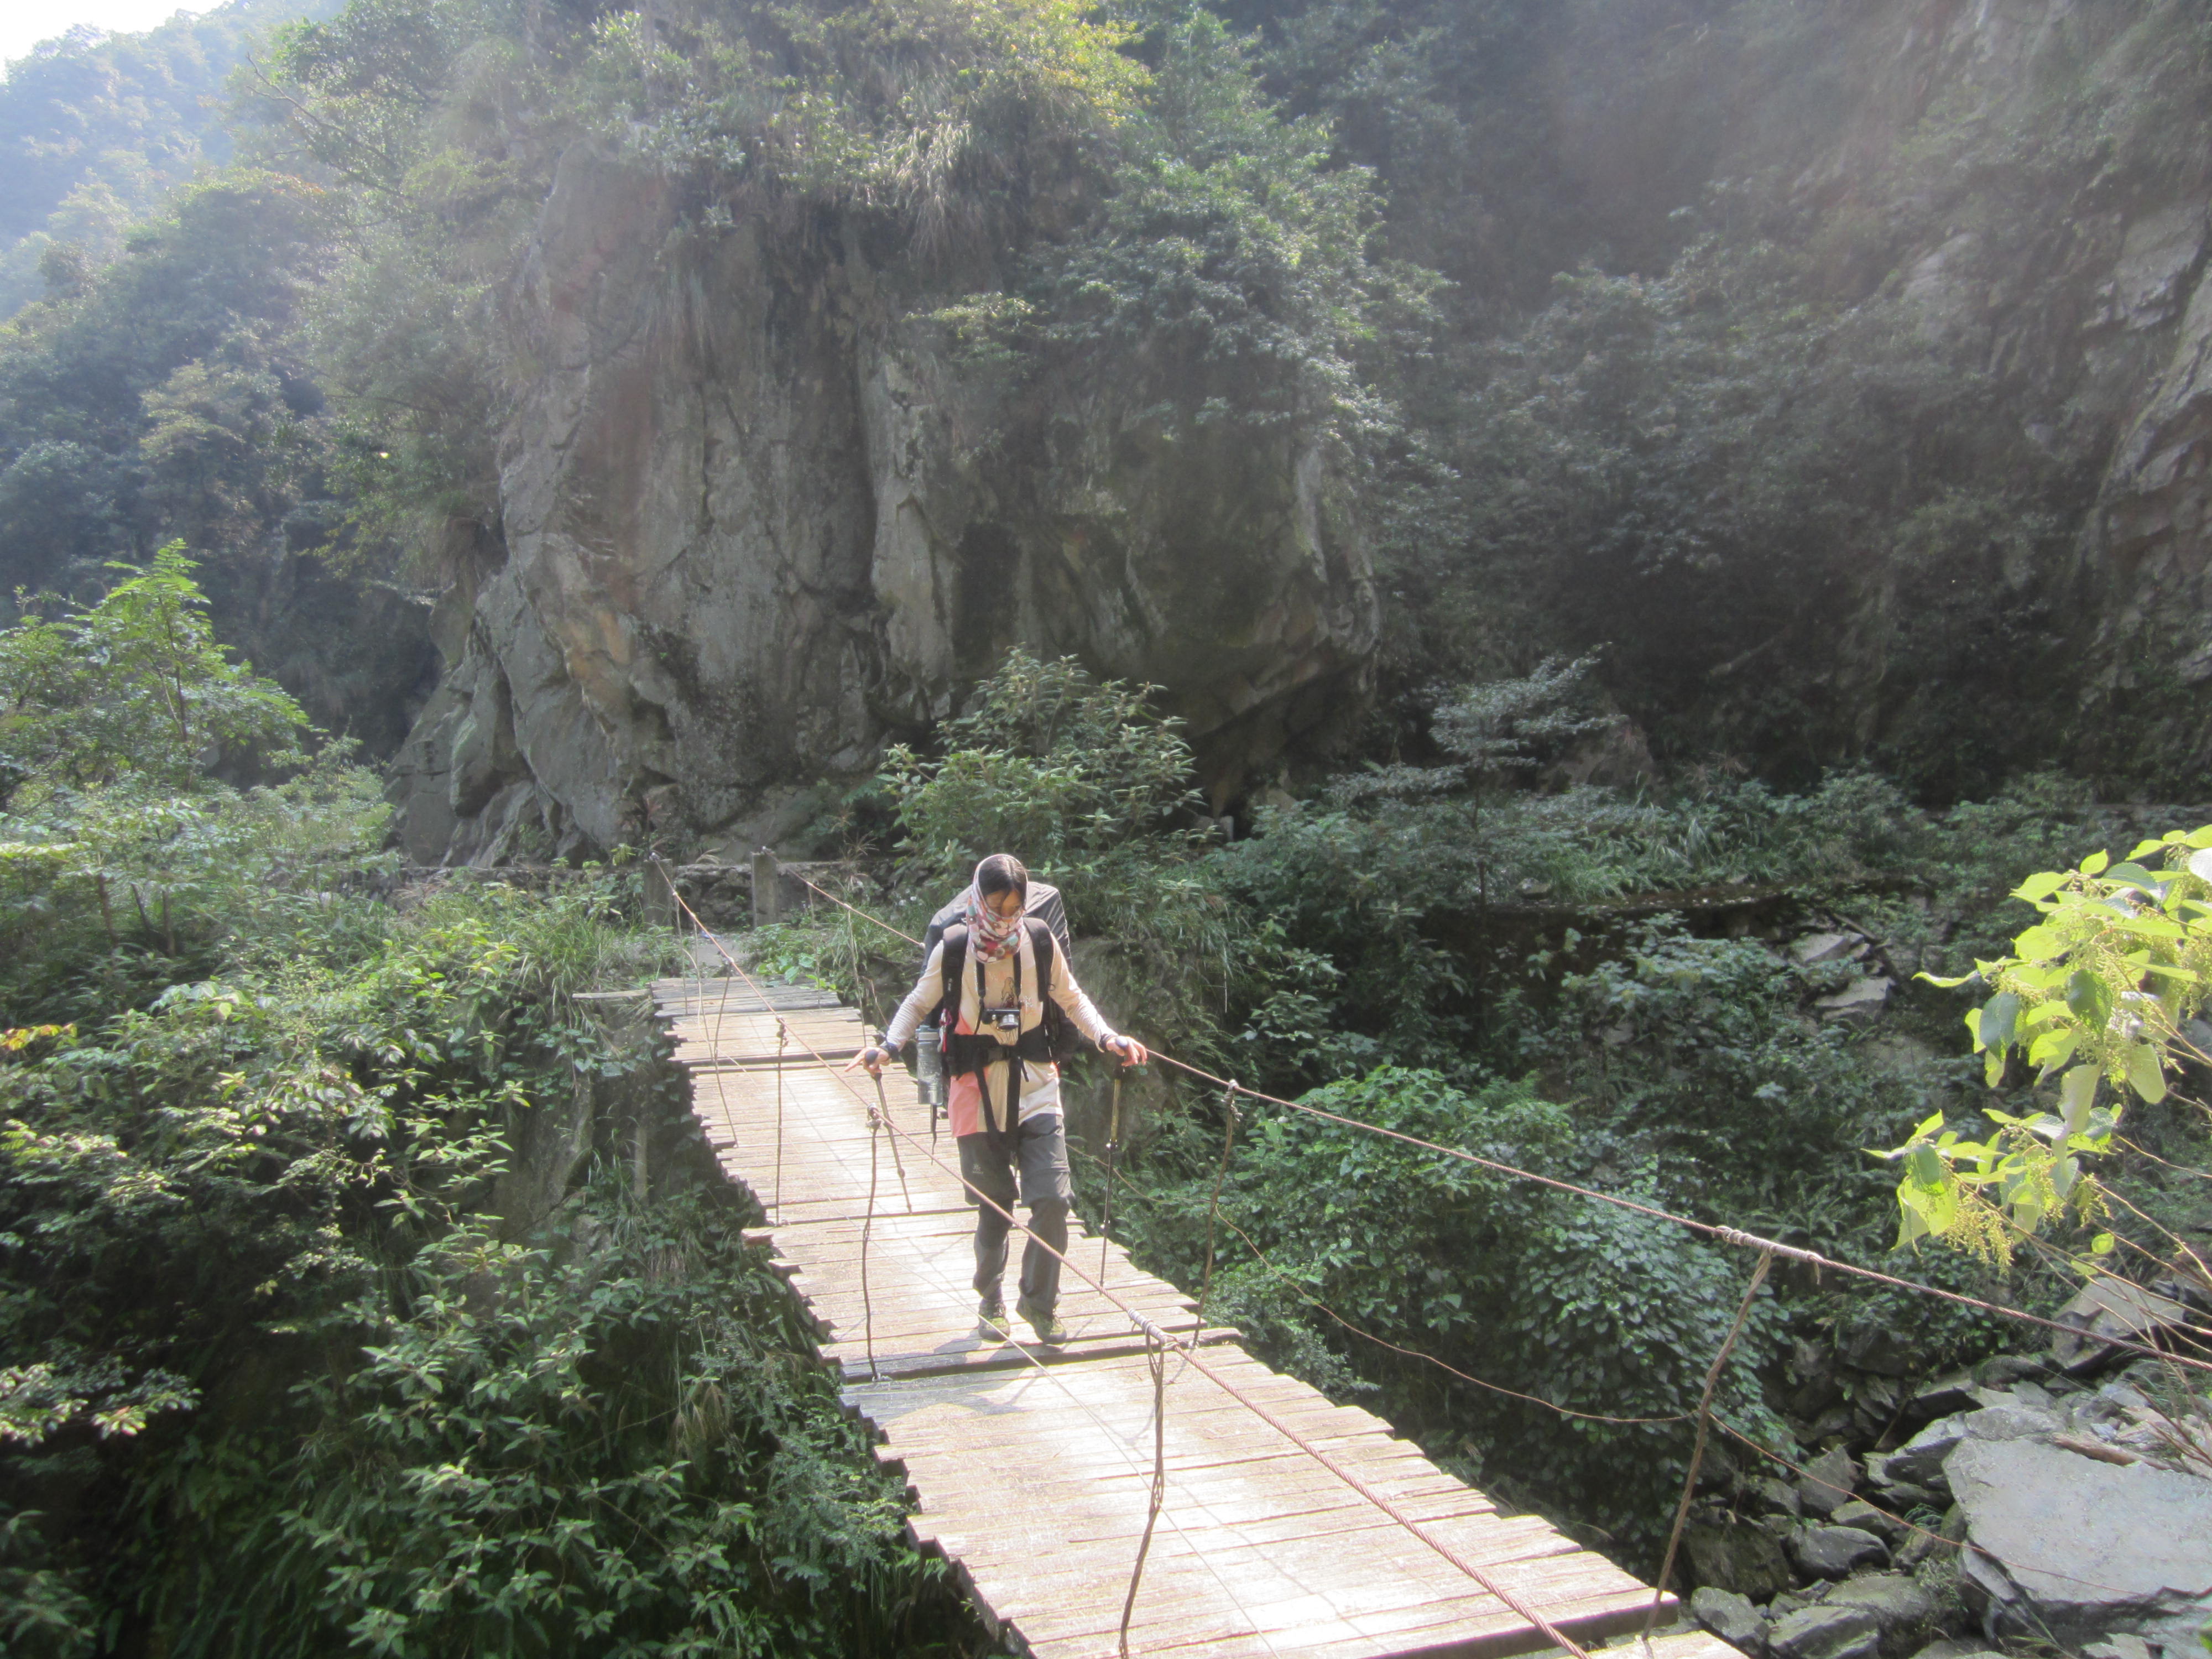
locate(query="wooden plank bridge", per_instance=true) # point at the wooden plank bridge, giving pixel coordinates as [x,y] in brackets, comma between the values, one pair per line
[1031,1468]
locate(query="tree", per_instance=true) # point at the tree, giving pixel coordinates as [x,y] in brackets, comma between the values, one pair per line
[135,687]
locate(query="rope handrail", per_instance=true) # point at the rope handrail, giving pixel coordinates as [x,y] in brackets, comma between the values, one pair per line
[1153,1333]
[1551,1632]
[1726,1234]
[1726,1427]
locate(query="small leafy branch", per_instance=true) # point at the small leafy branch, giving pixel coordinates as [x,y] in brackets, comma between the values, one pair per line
[2099,995]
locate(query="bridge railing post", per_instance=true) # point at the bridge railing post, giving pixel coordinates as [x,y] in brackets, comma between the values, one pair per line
[768,888]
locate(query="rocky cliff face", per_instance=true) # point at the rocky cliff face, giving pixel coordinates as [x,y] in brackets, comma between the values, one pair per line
[760,517]
[2022,185]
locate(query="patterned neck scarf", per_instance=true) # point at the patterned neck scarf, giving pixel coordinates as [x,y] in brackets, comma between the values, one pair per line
[988,935]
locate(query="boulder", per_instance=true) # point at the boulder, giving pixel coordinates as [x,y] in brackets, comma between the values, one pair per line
[1731,1617]
[2006,1368]
[2110,1308]
[2119,1647]
[1906,1614]
[1943,1396]
[1874,1346]
[1890,1529]
[1821,1632]
[2075,1550]
[1837,1552]
[2009,1422]
[1779,1496]
[1861,1000]
[1826,947]
[1958,1647]
[1919,1462]
[1740,1556]
[1828,1482]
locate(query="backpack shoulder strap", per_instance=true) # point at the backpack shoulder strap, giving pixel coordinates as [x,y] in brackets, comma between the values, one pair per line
[951,965]
[1044,945]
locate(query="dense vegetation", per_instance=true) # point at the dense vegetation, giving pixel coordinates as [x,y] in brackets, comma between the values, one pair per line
[1433,947]
[287,1359]
[299,1350]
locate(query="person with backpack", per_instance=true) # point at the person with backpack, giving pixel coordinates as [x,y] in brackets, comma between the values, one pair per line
[1002,988]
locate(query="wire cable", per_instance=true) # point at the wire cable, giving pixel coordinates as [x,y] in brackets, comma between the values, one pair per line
[1726,1234]
[1552,1632]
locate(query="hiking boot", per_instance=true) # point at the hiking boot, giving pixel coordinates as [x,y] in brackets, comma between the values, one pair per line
[1043,1320]
[991,1319]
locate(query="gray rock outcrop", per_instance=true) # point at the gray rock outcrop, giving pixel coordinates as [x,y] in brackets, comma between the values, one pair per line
[1905,1615]
[1821,1632]
[1731,1617]
[2065,1547]
[752,531]
[1836,1551]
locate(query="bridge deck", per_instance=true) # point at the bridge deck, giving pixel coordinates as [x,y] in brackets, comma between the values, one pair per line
[1032,1468]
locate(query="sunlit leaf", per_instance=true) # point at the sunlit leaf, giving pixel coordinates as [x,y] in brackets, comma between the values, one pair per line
[2077,1093]
[2145,1075]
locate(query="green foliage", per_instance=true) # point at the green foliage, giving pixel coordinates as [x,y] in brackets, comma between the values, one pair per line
[252,1298]
[137,687]
[617,1451]
[1588,1307]
[1696,1046]
[2102,993]
[97,129]
[1050,763]
[122,859]
[161,397]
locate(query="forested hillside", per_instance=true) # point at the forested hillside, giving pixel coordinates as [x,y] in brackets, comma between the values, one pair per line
[1574,580]
[97,130]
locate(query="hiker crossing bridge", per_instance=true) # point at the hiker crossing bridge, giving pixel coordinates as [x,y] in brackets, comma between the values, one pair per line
[1286,1525]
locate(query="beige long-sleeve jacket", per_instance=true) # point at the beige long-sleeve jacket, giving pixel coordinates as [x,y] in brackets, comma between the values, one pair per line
[991,985]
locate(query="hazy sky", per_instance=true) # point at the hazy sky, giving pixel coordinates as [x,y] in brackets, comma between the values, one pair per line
[24,23]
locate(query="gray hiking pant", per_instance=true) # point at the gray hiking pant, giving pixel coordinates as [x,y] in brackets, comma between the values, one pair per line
[1045,1189]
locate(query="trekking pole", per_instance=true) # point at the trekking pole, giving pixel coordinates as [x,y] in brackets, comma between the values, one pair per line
[1113,1138]
[898,1163]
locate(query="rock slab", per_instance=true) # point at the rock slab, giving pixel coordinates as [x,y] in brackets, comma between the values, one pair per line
[2079,1549]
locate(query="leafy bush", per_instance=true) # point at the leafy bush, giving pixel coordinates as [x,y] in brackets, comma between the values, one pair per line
[1590,1307]
[259,1322]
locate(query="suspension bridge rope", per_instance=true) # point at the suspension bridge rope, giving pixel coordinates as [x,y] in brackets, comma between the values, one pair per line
[1511,1599]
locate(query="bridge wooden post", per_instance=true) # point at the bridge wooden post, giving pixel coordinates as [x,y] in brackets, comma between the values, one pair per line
[768,888]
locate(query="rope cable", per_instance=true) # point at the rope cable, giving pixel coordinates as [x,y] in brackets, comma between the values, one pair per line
[1113,1138]
[898,1163]
[1520,1606]
[782,1041]
[1156,1360]
[867,1227]
[1704,1425]
[1213,1208]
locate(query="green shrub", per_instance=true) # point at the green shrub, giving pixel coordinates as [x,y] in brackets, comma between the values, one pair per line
[1588,1307]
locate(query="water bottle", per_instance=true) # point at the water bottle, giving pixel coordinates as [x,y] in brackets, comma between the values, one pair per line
[929,1065]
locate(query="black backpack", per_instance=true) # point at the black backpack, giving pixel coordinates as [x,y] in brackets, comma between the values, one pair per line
[1062,1040]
